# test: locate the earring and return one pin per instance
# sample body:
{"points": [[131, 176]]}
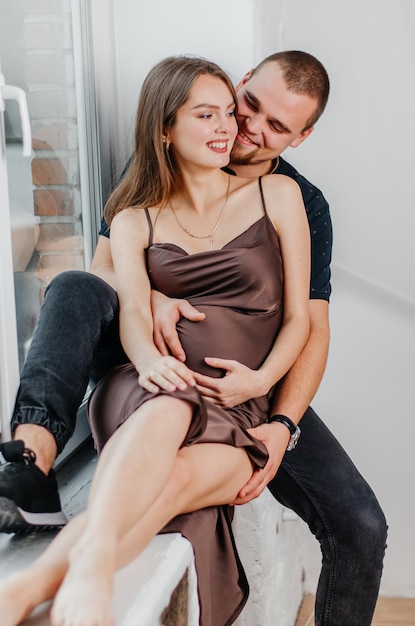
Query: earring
{"points": [[166, 143]]}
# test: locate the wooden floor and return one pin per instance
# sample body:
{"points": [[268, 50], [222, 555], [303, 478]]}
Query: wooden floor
{"points": [[389, 612]]}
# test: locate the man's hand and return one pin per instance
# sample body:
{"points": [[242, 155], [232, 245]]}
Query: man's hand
{"points": [[239, 384], [166, 313], [275, 437]]}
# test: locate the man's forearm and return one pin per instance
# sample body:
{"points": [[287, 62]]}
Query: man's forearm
{"points": [[293, 395], [297, 389], [106, 272], [101, 264]]}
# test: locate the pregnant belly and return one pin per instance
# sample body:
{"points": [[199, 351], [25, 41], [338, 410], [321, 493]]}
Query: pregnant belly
{"points": [[228, 334]]}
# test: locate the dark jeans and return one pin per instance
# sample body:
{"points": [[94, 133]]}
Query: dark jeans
{"points": [[319, 482], [76, 339]]}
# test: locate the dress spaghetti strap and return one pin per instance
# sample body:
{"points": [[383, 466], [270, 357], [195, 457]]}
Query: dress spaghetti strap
{"points": [[150, 227], [262, 195]]}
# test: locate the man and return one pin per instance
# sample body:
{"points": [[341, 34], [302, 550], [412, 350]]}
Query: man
{"points": [[279, 103]]}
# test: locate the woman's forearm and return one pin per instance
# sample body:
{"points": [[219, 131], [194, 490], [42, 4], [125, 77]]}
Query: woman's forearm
{"points": [[290, 341], [136, 334]]}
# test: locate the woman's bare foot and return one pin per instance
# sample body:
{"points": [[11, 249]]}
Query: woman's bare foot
{"points": [[19, 595], [85, 595]]}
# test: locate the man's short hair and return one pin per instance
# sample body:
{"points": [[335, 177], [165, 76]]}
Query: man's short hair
{"points": [[303, 74]]}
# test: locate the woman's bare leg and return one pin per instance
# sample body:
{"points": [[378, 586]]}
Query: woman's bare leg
{"points": [[132, 471], [202, 475], [29, 588]]}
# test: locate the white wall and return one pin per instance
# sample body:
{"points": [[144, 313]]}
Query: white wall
{"points": [[363, 151], [145, 33], [362, 156]]}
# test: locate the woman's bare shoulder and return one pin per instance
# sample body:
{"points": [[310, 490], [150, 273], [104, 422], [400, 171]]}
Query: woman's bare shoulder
{"points": [[283, 199], [128, 215], [130, 219], [130, 225], [280, 183]]}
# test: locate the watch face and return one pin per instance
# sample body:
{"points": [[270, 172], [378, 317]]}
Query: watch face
{"points": [[294, 439]]}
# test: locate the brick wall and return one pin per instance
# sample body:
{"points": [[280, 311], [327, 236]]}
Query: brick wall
{"points": [[49, 69]]}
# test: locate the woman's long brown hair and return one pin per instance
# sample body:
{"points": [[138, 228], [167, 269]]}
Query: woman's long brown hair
{"points": [[152, 175]]}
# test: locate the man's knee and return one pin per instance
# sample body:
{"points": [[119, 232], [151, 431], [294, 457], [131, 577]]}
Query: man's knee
{"points": [[81, 293], [76, 283], [361, 530], [65, 280], [371, 526]]}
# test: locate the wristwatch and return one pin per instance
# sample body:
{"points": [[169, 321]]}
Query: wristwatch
{"points": [[293, 428]]}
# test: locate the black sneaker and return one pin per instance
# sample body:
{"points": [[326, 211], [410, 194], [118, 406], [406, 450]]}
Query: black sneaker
{"points": [[29, 500]]}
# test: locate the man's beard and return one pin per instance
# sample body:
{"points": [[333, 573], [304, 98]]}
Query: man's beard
{"points": [[238, 157]]}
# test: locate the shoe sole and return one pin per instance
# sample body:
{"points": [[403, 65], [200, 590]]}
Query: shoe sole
{"points": [[15, 520]]}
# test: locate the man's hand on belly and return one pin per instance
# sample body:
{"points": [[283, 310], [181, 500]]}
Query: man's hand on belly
{"points": [[239, 384], [166, 313]]}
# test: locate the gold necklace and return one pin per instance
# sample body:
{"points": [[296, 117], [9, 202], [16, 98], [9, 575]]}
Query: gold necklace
{"points": [[216, 226]]}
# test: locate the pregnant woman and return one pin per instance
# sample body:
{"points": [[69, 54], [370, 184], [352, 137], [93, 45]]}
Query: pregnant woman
{"points": [[171, 459]]}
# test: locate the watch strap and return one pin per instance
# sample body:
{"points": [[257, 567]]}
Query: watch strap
{"points": [[283, 419], [295, 431]]}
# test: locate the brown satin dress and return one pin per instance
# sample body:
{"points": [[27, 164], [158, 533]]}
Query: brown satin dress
{"points": [[240, 289]]}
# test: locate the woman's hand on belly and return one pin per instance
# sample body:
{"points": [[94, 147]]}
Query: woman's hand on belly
{"points": [[166, 372], [239, 384]]}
